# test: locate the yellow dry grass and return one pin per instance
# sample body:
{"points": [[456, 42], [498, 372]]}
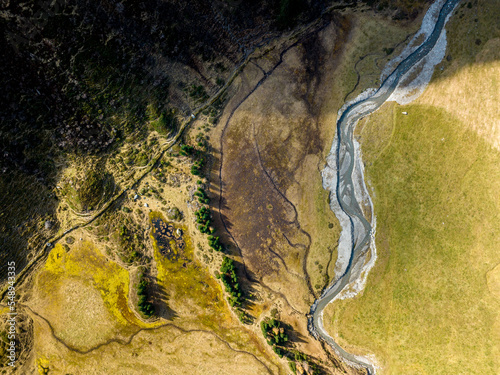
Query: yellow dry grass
{"points": [[468, 87], [82, 289], [164, 351], [192, 291], [196, 298], [471, 95], [84, 297]]}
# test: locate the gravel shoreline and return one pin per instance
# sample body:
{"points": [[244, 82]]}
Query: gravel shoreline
{"points": [[352, 267]]}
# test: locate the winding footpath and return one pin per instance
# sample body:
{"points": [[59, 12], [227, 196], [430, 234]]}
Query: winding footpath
{"points": [[260, 50], [348, 192]]}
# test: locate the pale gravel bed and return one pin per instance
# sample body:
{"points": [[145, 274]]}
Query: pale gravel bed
{"points": [[404, 94]]}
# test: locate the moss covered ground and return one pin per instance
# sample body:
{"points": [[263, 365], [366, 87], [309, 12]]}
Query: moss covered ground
{"points": [[189, 285]]}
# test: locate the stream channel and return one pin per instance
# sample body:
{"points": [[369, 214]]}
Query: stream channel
{"points": [[347, 196]]}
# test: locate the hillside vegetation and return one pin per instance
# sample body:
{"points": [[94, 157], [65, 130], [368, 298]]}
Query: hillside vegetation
{"points": [[136, 187]]}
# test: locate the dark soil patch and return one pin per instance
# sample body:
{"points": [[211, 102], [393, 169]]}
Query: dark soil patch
{"points": [[264, 144], [169, 243]]}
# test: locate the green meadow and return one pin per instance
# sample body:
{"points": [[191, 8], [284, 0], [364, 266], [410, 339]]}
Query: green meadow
{"points": [[432, 301]]}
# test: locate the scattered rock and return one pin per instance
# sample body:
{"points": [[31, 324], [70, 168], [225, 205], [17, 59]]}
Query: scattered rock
{"points": [[174, 214]]}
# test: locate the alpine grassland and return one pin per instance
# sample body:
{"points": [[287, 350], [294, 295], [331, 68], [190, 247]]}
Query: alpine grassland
{"points": [[432, 301], [430, 306]]}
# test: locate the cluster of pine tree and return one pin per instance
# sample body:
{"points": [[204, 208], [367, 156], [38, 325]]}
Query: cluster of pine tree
{"points": [[145, 306], [215, 243], [204, 220], [230, 281], [296, 356], [202, 196], [198, 166], [274, 332], [186, 150]]}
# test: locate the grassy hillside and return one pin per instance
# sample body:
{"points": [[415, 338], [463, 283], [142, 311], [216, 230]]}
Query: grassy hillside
{"points": [[432, 301], [86, 122], [427, 308], [81, 79]]}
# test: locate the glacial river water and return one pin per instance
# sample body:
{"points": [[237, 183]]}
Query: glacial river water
{"points": [[360, 229]]}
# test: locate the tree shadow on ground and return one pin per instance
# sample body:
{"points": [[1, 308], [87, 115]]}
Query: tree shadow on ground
{"points": [[160, 297]]}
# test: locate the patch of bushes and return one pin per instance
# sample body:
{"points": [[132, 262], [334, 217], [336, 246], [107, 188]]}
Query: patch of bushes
{"points": [[198, 155], [93, 188], [299, 356], [289, 11], [244, 317], [215, 243], [302, 357], [198, 166], [198, 93], [174, 214], [128, 255], [166, 123], [215, 110], [274, 332], [186, 150], [388, 51]]}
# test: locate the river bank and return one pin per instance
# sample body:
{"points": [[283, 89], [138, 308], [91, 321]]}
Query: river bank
{"points": [[350, 195]]}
